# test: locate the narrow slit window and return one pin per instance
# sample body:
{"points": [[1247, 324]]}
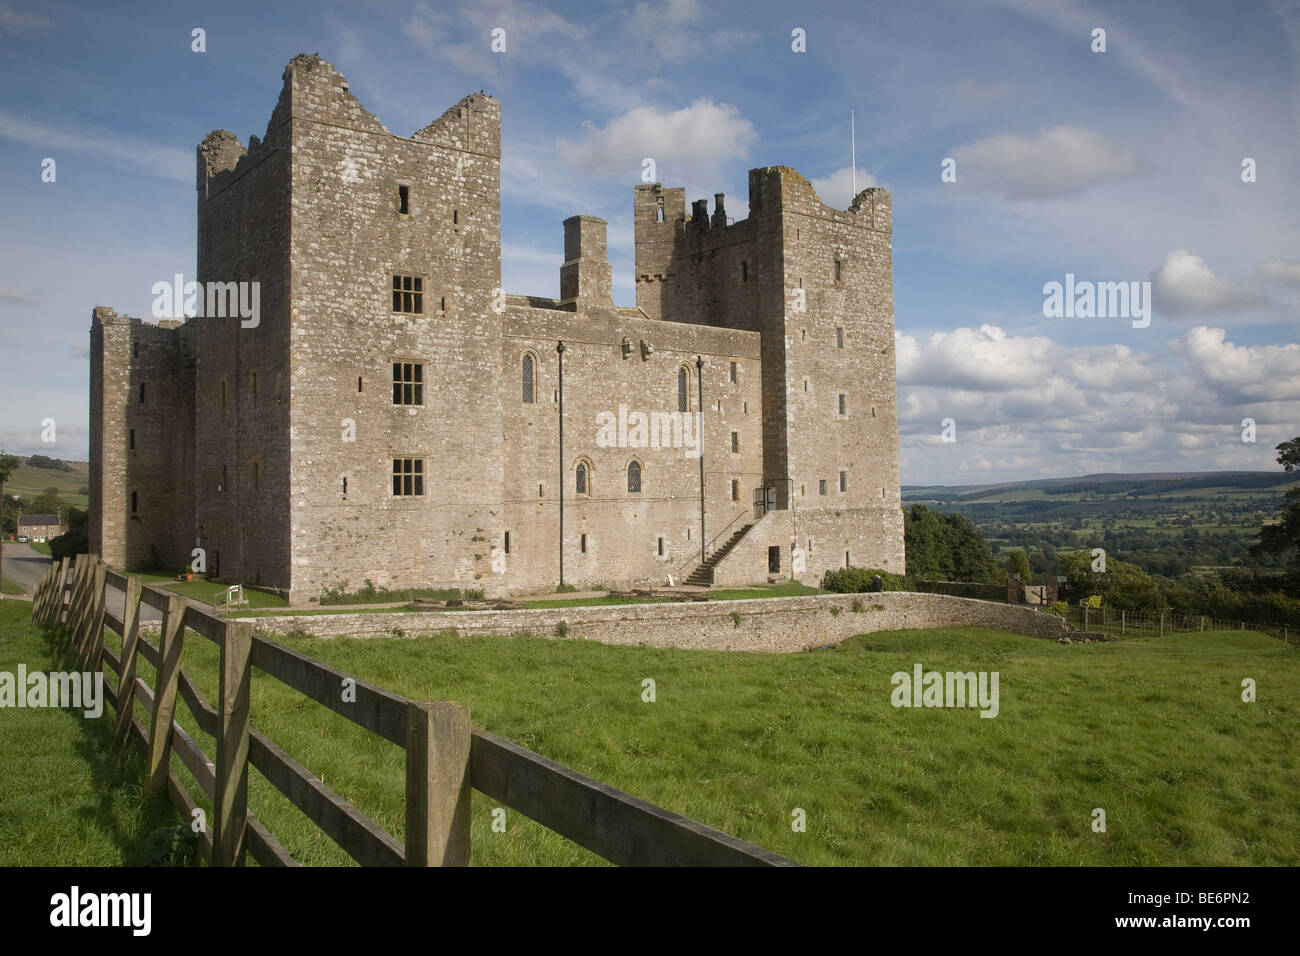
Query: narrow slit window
{"points": [[345, 486], [581, 484], [838, 270], [735, 489], [683, 392], [131, 438], [733, 372], [404, 199], [661, 546], [507, 542], [135, 502], [735, 443], [844, 481], [142, 393], [843, 406], [528, 380], [839, 338], [634, 478], [583, 544]]}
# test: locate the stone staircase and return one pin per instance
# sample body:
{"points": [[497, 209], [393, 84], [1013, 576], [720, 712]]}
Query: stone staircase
{"points": [[702, 576]]}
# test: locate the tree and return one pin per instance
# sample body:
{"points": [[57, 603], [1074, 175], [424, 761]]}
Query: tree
{"points": [[946, 547], [1122, 586], [1017, 563], [1280, 540]]}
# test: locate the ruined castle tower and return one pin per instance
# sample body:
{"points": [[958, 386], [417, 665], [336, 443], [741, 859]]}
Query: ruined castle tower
{"points": [[392, 415]]}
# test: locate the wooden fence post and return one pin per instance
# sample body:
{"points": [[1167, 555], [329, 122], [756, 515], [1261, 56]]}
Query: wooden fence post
{"points": [[230, 829], [1162, 624], [170, 642], [74, 600], [93, 643], [437, 784], [86, 603], [54, 609], [126, 677]]}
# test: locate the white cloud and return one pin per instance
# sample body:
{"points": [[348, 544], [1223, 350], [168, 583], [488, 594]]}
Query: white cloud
{"points": [[689, 143], [17, 22], [1185, 285], [1280, 271], [165, 162], [14, 296], [665, 26], [836, 190], [1027, 406], [1056, 163]]}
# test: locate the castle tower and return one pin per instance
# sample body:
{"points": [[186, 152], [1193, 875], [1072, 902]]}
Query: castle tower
{"points": [[586, 277]]}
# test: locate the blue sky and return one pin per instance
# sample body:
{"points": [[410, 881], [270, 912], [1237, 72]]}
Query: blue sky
{"points": [[1123, 165]]}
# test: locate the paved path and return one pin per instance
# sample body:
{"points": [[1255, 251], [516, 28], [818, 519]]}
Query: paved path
{"points": [[24, 566]]}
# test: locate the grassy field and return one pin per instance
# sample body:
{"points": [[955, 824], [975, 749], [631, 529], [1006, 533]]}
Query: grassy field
{"points": [[64, 799], [207, 591], [41, 547], [9, 587], [30, 482], [1152, 731]]}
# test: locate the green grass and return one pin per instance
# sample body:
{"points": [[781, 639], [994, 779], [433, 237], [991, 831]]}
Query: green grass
{"points": [[31, 482], [208, 591], [42, 547], [9, 587], [1153, 731], [785, 589], [64, 799]]}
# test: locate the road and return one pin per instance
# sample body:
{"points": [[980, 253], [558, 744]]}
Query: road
{"points": [[23, 566]]}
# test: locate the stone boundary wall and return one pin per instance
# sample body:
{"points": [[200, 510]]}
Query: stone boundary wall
{"points": [[778, 625]]}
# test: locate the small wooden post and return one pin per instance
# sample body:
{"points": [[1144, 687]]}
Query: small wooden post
{"points": [[54, 609], [74, 600], [170, 642], [437, 784], [130, 644], [1123, 621], [230, 828]]}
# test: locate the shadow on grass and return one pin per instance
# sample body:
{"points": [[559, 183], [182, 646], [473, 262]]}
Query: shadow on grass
{"points": [[122, 808]]}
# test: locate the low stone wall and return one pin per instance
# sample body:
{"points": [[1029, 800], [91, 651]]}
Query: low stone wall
{"points": [[766, 624]]}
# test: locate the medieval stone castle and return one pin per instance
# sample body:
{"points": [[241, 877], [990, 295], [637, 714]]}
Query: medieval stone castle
{"points": [[392, 415]]}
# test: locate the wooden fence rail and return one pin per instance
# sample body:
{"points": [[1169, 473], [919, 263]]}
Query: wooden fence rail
{"points": [[445, 756], [1123, 623]]}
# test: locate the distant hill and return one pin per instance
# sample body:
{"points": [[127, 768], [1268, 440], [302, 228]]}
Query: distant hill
{"points": [[1191, 484], [30, 481]]}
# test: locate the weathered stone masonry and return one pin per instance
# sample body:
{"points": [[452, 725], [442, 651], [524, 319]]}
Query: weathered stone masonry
{"points": [[272, 447]]}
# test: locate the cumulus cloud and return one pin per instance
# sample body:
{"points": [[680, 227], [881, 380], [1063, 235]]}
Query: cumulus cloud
{"points": [[463, 39], [695, 141], [1185, 285], [1056, 163], [664, 25], [837, 189], [1026, 406]]}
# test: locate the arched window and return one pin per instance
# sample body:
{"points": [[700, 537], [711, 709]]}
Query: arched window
{"points": [[528, 379], [683, 391], [634, 477], [580, 485]]}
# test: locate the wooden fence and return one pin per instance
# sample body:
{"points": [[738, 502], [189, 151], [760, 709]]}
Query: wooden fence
{"points": [[1118, 623], [445, 755]]}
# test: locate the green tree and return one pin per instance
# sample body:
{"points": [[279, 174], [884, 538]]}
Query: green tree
{"points": [[1122, 586], [1280, 540], [1017, 563]]}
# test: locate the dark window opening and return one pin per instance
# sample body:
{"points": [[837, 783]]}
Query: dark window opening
{"points": [[507, 542], [455, 217], [345, 486], [408, 476], [661, 546], [843, 407], [358, 383], [131, 438], [583, 544], [581, 485], [844, 481], [408, 294], [837, 270], [735, 489], [744, 272], [135, 349], [528, 379], [774, 559], [135, 502], [733, 371], [634, 478], [142, 393], [839, 338], [683, 392], [403, 199], [821, 486], [408, 383]]}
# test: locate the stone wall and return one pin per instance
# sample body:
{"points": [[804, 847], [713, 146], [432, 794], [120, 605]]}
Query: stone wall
{"points": [[767, 624]]}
